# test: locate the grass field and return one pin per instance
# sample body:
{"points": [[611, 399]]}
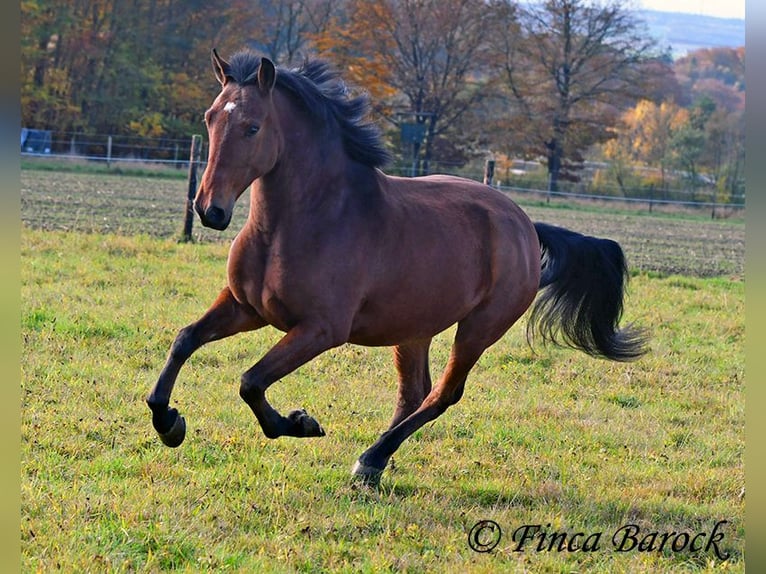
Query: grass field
{"points": [[548, 437]]}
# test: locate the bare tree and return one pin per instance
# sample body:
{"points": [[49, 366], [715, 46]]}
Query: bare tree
{"points": [[569, 66], [430, 54], [292, 23], [283, 30]]}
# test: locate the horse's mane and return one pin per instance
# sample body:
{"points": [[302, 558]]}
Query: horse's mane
{"points": [[323, 94]]}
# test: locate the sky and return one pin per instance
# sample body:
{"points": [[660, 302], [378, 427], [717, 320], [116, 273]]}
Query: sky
{"points": [[719, 8]]}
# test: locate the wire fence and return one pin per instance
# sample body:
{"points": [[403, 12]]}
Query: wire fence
{"points": [[105, 148], [527, 183]]}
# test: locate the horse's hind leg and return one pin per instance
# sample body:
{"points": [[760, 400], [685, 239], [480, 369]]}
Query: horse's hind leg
{"points": [[411, 361], [480, 329], [224, 318], [448, 391]]}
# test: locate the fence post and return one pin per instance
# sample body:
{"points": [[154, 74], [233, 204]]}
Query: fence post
{"points": [[109, 152], [194, 155], [489, 171]]}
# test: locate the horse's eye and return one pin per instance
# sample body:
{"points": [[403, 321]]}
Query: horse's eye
{"points": [[252, 130]]}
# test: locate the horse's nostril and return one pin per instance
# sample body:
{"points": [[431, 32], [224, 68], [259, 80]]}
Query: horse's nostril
{"points": [[214, 217], [215, 214]]}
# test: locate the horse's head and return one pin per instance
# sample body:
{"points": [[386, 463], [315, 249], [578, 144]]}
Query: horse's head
{"points": [[244, 138]]}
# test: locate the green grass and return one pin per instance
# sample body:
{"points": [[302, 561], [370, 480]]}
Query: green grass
{"points": [[548, 436]]}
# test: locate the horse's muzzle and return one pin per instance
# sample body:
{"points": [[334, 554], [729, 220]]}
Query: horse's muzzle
{"points": [[213, 217]]}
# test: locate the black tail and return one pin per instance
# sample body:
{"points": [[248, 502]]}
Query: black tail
{"points": [[583, 283]]}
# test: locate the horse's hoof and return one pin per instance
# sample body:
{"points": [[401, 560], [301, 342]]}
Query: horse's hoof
{"points": [[175, 436], [367, 475], [305, 425]]}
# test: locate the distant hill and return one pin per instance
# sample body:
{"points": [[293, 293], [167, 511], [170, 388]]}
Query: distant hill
{"points": [[685, 33]]}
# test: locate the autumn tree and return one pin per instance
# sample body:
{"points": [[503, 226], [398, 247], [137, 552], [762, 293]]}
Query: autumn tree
{"points": [[724, 153], [645, 136], [718, 73], [714, 84], [115, 67], [46, 86], [653, 128], [573, 65], [426, 57]]}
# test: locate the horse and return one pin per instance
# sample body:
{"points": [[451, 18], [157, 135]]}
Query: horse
{"points": [[335, 251]]}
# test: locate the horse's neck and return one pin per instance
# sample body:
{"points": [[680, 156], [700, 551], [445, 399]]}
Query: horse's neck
{"points": [[300, 189]]}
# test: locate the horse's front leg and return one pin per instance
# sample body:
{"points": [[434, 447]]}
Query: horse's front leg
{"points": [[224, 318], [299, 345]]}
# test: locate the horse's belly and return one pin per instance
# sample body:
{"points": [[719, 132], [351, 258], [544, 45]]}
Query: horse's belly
{"points": [[411, 314]]}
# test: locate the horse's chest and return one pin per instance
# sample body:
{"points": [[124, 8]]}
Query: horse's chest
{"points": [[259, 278]]}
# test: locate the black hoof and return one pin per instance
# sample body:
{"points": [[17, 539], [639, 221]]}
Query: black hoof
{"points": [[175, 436], [304, 425], [367, 475]]}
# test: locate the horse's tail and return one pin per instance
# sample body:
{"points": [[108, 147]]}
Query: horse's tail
{"points": [[583, 283]]}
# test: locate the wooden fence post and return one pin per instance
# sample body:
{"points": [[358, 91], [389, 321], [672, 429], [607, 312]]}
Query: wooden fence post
{"points": [[489, 171], [194, 155]]}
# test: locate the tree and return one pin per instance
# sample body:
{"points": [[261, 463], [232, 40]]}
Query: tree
{"points": [[116, 67], [717, 72], [282, 30], [714, 84], [574, 65], [645, 136], [688, 145], [652, 130], [428, 57], [46, 86]]}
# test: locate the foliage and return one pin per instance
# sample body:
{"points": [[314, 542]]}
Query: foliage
{"points": [[703, 141], [646, 138], [717, 72], [550, 81], [103, 65]]}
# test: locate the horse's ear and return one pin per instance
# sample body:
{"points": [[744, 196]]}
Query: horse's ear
{"points": [[267, 75], [220, 67]]}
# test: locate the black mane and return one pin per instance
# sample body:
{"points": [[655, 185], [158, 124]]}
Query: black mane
{"points": [[321, 91]]}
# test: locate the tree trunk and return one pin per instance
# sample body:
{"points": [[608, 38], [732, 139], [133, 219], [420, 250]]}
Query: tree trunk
{"points": [[429, 147], [555, 153]]}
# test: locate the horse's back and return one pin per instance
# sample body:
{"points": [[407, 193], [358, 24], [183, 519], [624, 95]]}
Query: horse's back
{"points": [[466, 210], [503, 236], [456, 197]]}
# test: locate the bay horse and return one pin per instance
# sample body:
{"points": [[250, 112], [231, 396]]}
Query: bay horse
{"points": [[334, 251]]}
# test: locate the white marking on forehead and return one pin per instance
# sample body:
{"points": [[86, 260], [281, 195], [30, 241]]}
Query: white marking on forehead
{"points": [[229, 107]]}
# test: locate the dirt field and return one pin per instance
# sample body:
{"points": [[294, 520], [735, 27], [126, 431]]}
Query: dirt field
{"points": [[664, 244]]}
